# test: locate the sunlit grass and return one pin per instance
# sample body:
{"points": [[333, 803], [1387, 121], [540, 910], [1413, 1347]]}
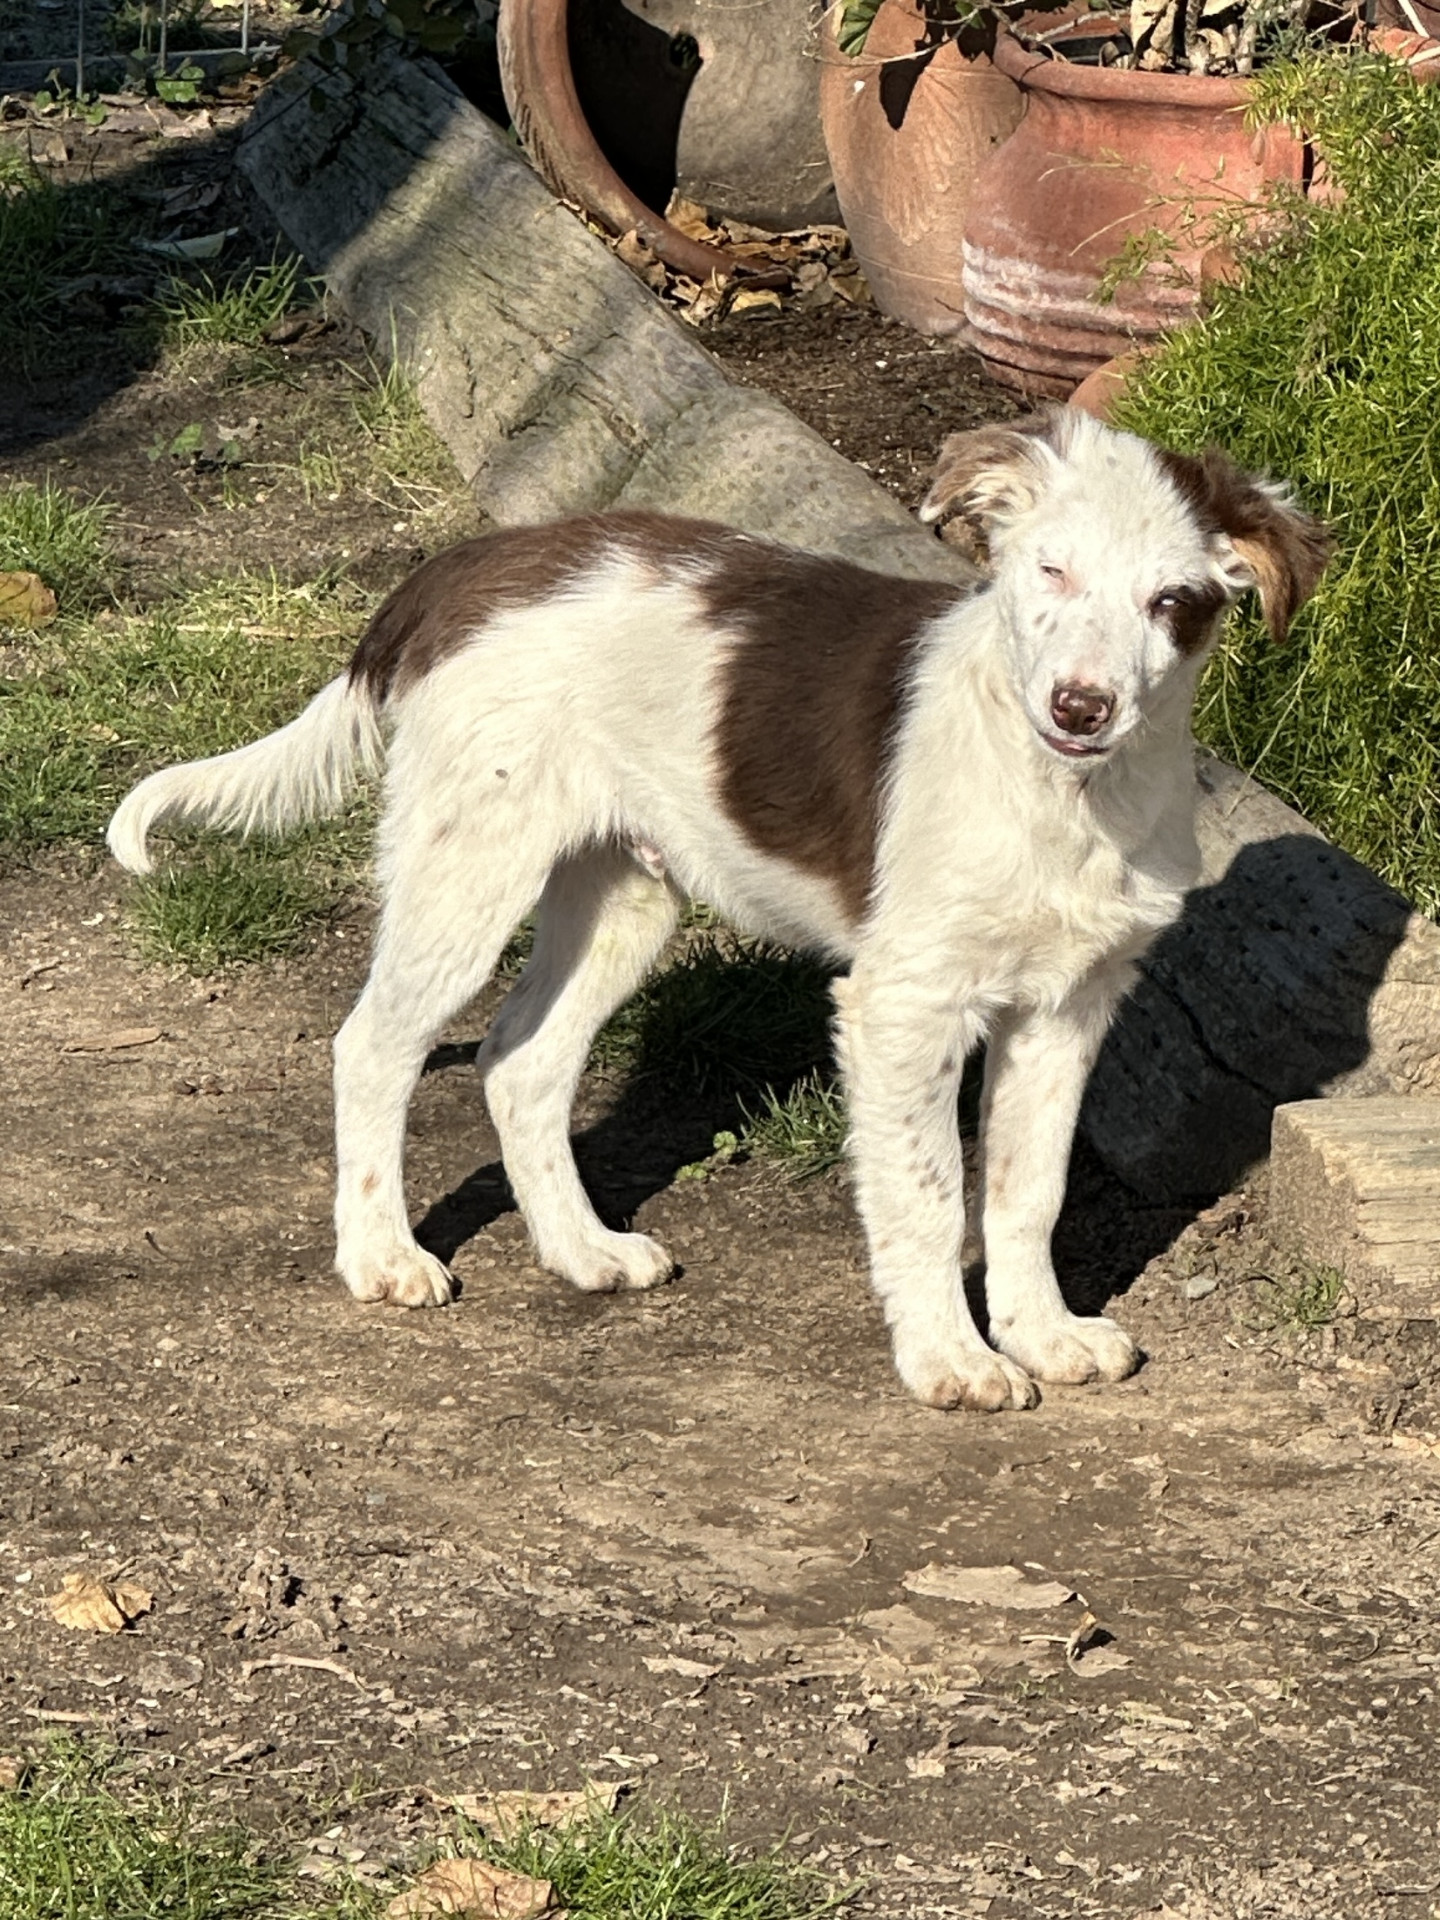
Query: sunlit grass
{"points": [[657, 1867], [45, 530], [88, 706], [102, 696], [802, 1131], [88, 1836], [236, 311], [84, 1837]]}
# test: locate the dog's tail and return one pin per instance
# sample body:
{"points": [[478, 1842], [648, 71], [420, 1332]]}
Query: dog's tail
{"points": [[303, 772]]}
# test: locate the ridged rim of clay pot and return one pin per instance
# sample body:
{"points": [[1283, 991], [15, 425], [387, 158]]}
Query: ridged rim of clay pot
{"points": [[1072, 81], [539, 89]]}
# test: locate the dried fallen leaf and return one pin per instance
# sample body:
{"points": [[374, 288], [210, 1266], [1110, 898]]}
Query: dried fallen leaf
{"points": [[756, 300], [986, 1587], [641, 259], [472, 1887], [112, 1042], [25, 601], [204, 246], [91, 1607], [852, 286], [503, 1814], [677, 1663], [1090, 1649], [691, 219]]}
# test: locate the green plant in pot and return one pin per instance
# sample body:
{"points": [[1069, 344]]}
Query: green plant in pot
{"points": [[1320, 360], [1119, 123]]}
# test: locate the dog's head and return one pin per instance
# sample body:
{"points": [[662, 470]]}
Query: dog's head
{"points": [[1113, 561]]}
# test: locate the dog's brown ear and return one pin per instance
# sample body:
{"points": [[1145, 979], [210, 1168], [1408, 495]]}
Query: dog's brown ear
{"points": [[989, 473], [1280, 546]]}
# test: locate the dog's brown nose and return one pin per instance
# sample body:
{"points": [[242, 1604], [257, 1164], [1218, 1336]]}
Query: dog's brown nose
{"points": [[1082, 710]]}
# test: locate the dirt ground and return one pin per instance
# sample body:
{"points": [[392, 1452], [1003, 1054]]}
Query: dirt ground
{"points": [[697, 1540]]}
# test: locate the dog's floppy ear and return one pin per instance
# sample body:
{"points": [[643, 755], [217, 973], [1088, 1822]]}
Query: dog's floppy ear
{"points": [[990, 473], [1282, 550]]}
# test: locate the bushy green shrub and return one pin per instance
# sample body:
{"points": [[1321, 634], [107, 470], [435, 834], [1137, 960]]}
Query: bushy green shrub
{"points": [[1322, 366]]}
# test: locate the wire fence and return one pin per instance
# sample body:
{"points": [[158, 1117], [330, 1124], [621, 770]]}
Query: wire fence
{"points": [[81, 44]]}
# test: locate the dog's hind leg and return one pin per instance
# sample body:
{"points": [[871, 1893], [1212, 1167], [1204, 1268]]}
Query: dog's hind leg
{"points": [[601, 923], [1036, 1066], [440, 935]]}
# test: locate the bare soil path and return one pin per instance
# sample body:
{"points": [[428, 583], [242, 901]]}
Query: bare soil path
{"points": [[678, 1539]]}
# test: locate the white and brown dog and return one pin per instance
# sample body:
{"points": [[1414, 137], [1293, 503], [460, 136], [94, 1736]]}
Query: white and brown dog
{"points": [[980, 802]]}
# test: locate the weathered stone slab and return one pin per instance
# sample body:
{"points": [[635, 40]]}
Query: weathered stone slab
{"points": [[1355, 1184]]}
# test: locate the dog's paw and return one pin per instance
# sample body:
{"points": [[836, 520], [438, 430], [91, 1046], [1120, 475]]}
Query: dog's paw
{"points": [[614, 1263], [955, 1376], [408, 1277], [1069, 1351]]}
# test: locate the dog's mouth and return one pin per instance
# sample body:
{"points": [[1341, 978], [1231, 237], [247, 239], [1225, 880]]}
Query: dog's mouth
{"points": [[1072, 748]]}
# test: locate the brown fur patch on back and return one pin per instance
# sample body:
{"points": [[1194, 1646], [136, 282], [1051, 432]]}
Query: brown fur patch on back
{"points": [[1283, 546], [444, 603], [813, 692]]}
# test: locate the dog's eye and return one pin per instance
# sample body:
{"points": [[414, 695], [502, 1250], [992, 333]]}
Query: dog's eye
{"points": [[1056, 574], [1169, 602]]}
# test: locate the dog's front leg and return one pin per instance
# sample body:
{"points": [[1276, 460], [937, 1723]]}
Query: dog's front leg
{"points": [[902, 1060], [1036, 1066]]}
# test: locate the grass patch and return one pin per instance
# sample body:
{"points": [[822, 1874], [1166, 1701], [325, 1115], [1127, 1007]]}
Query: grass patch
{"points": [[801, 1132], [231, 905], [234, 312], [82, 1839], [89, 704], [87, 707], [50, 237], [85, 1837], [396, 459], [44, 530], [615, 1867], [729, 1015], [1323, 365], [739, 1020], [1298, 1304], [405, 451]]}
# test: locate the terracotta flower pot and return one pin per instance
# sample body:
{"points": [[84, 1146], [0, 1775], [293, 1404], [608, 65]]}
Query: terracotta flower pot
{"points": [[908, 125], [1422, 13], [1420, 52], [1101, 154]]}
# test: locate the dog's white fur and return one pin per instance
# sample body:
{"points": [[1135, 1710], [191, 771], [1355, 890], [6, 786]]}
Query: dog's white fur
{"points": [[573, 738]]}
